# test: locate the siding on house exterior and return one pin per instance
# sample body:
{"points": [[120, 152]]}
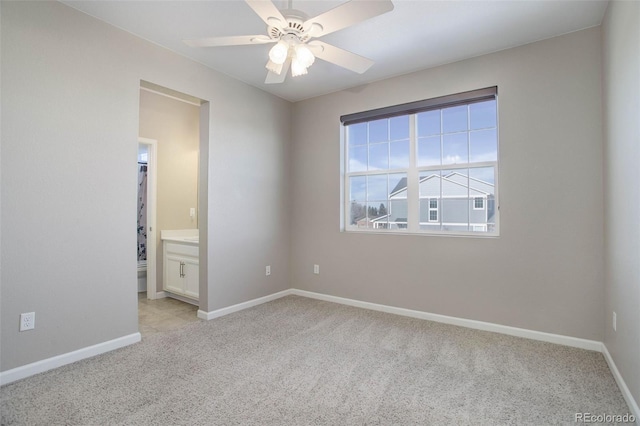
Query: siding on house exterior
{"points": [[455, 194], [454, 210]]}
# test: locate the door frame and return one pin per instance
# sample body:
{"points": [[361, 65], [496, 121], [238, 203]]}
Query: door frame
{"points": [[152, 197]]}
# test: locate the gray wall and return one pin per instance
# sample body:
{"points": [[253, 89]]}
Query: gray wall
{"points": [[69, 113], [70, 104], [545, 271], [621, 64]]}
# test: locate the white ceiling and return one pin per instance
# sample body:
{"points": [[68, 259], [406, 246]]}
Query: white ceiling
{"points": [[417, 34]]}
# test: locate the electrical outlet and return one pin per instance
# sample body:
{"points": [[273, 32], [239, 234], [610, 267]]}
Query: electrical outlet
{"points": [[316, 269], [615, 326], [27, 321], [267, 270]]}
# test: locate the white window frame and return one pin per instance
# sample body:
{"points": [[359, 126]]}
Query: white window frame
{"points": [[413, 225]]}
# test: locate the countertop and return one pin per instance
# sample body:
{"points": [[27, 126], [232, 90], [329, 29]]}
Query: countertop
{"points": [[183, 236]]}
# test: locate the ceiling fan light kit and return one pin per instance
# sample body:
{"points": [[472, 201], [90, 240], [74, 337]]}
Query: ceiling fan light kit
{"points": [[300, 55], [292, 30], [278, 53], [297, 68], [304, 55]]}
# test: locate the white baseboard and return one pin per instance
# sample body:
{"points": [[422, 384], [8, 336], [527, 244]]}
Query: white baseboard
{"points": [[575, 342], [244, 305], [631, 402], [478, 325], [64, 359], [60, 360]]}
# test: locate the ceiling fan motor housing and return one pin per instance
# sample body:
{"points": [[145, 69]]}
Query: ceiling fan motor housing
{"points": [[293, 27]]}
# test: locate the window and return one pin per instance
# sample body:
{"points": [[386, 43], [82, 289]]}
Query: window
{"points": [[478, 203], [433, 210], [425, 167]]}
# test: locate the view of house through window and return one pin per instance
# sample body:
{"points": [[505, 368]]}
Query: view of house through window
{"points": [[433, 170]]}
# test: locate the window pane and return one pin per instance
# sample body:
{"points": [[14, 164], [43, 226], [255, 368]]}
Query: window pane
{"points": [[377, 214], [482, 185], [429, 123], [357, 134], [491, 214], [398, 186], [379, 131], [454, 119], [477, 212], [358, 214], [484, 146], [429, 191], [429, 185], [455, 200], [455, 149], [483, 175], [483, 115], [398, 214], [358, 158], [400, 128], [455, 183], [379, 156], [429, 151], [377, 187], [399, 158], [357, 196], [398, 206], [358, 188], [429, 217]]}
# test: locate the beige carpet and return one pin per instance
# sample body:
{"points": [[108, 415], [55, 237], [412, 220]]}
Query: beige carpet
{"points": [[298, 361]]}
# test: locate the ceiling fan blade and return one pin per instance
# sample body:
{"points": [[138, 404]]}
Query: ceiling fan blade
{"points": [[229, 41], [345, 15], [340, 57], [268, 12], [273, 78]]}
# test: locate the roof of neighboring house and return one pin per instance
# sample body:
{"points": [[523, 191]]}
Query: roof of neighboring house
{"points": [[400, 186], [456, 178]]}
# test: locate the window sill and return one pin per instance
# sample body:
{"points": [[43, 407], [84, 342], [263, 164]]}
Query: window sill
{"points": [[423, 234]]}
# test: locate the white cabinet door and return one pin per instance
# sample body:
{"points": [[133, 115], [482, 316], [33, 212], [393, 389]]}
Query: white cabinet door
{"points": [[173, 280], [191, 272], [181, 269]]}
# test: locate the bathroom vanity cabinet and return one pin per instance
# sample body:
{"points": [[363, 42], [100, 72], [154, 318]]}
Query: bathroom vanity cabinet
{"points": [[181, 266]]}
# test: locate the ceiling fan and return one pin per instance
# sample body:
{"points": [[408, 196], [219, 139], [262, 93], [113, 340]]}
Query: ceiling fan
{"points": [[293, 31]]}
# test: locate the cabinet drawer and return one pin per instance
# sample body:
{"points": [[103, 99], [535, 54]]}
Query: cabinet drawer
{"points": [[183, 249]]}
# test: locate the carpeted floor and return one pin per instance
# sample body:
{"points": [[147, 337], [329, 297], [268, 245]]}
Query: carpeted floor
{"points": [[298, 361]]}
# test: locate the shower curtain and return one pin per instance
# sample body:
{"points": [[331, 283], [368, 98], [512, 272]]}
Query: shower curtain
{"points": [[142, 211]]}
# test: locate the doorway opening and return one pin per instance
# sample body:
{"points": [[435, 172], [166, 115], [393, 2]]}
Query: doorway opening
{"points": [[171, 136], [147, 196]]}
